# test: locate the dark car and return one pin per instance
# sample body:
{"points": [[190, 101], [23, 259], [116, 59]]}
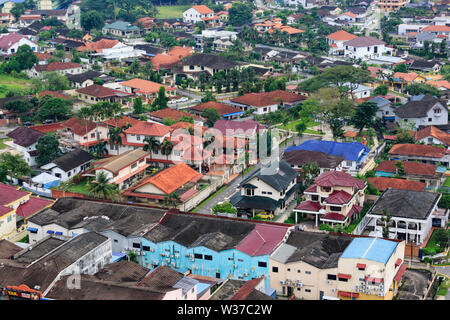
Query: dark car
{"points": [[28, 123], [47, 121]]}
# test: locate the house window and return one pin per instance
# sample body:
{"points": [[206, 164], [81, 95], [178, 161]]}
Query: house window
{"points": [[208, 257], [146, 248], [136, 245], [437, 110], [307, 290], [307, 272], [430, 119], [262, 264], [134, 165], [198, 256], [348, 163], [338, 209], [314, 198], [240, 260], [275, 269], [331, 277]]}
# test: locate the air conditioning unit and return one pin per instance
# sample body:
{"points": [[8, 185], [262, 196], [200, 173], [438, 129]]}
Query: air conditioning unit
{"points": [[328, 282], [163, 254], [281, 282], [167, 260], [172, 256], [234, 266], [173, 264], [177, 255], [191, 259], [152, 250], [333, 290], [187, 255]]}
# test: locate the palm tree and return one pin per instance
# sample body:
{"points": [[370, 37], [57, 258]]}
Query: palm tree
{"points": [[386, 218], [102, 188], [166, 149], [85, 114], [114, 137], [151, 144], [100, 150], [172, 199]]}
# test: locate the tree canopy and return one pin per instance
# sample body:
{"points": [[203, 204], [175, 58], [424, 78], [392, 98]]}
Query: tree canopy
{"points": [[47, 149]]}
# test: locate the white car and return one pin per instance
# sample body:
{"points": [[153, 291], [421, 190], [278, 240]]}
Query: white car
{"points": [[184, 99]]}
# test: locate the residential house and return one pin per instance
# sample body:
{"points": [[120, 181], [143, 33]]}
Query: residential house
{"points": [[370, 269], [26, 19], [336, 41], [211, 246], [425, 66], [241, 129], [171, 58], [390, 5], [122, 170], [41, 265], [79, 132], [68, 165], [226, 111], [24, 140], [358, 91], [355, 153], [364, 48], [422, 110], [56, 66], [431, 135], [179, 179], [121, 29], [43, 58], [298, 158], [265, 102], [270, 189], [11, 42], [432, 175], [305, 265], [85, 79], [96, 93], [122, 223], [206, 63], [173, 115], [213, 35], [413, 214], [12, 198], [144, 88], [417, 152], [197, 13], [335, 198]]}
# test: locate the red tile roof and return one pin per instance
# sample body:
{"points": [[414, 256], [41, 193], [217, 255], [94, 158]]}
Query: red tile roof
{"points": [[437, 28], [54, 94], [400, 273], [338, 178], [309, 206], [263, 239], [125, 120], [98, 46], [57, 65], [8, 40], [432, 131], [51, 127], [411, 168], [264, 99], [334, 216], [417, 150], [78, 125], [148, 129], [339, 197], [43, 56], [246, 289], [32, 206], [382, 183], [172, 57], [202, 9], [10, 194], [171, 113], [145, 86], [222, 108]]}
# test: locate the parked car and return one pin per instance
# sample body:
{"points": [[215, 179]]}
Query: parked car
{"points": [[47, 121], [184, 99], [28, 123], [265, 215]]}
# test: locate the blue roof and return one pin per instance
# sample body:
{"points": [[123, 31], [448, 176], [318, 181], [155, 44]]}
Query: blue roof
{"points": [[374, 249], [380, 101], [117, 256], [349, 150], [15, 1]]}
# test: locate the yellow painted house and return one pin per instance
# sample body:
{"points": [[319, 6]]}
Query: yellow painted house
{"points": [[10, 199]]}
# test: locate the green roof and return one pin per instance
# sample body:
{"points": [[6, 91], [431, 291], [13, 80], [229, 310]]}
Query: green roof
{"points": [[121, 25]]}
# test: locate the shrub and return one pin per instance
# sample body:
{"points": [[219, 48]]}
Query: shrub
{"points": [[224, 207]]}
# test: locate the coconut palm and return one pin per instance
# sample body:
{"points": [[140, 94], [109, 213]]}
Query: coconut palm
{"points": [[115, 138], [100, 150], [102, 188], [85, 114], [166, 149], [172, 199], [151, 144]]}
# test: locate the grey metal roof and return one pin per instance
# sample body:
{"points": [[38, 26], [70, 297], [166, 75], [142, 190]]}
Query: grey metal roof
{"points": [[279, 180], [283, 253]]}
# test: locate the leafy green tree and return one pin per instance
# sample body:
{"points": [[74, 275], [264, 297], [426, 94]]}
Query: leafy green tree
{"points": [[402, 67], [92, 20], [17, 10], [422, 88], [19, 106], [100, 150], [138, 107], [399, 168], [386, 218], [55, 108], [132, 256], [336, 126], [172, 199], [225, 207], [102, 188], [13, 166], [47, 149], [381, 90], [160, 102], [239, 14], [364, 115], [309, 172], [208, 97], [26, 57], [212, 115], [404, 136]]}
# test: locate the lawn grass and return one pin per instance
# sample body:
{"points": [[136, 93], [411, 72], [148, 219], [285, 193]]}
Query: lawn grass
{"points": [[445, 285], [248, 169], [81, 187], [291, 125], [2, 143], [167, 12], [8, 83], [447, 182], [432, 247]]}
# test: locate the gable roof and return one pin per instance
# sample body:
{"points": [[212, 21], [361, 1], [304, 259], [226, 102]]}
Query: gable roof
{"points": [[78, 125], [222, 108], [32, 206], [338, 178], [172, 178], [99, 91], [10, 39], [382, 183], [81, 77], [73, 159], [418, 108], [56, 65], [144, 86], [173, 114], [116, 163], [99, 45], [234, 126], [24, 136], [121, 25], [209, 60], [302, 157], [202, 9], [10, 194], [432, 131], [278, 180], [263, 99]]}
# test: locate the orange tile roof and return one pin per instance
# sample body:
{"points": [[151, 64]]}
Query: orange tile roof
{"points": [[125, 120], [350, 14], [172, 178], [408, 77], [432, 131], [186, 126], [98, 46], [43, 56], [145, 86], [439, 84], [171, 113], [148, 129], [382, 183], [172, 57], [437, 28], [341, 35], [202, 9], [411, 168]]}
